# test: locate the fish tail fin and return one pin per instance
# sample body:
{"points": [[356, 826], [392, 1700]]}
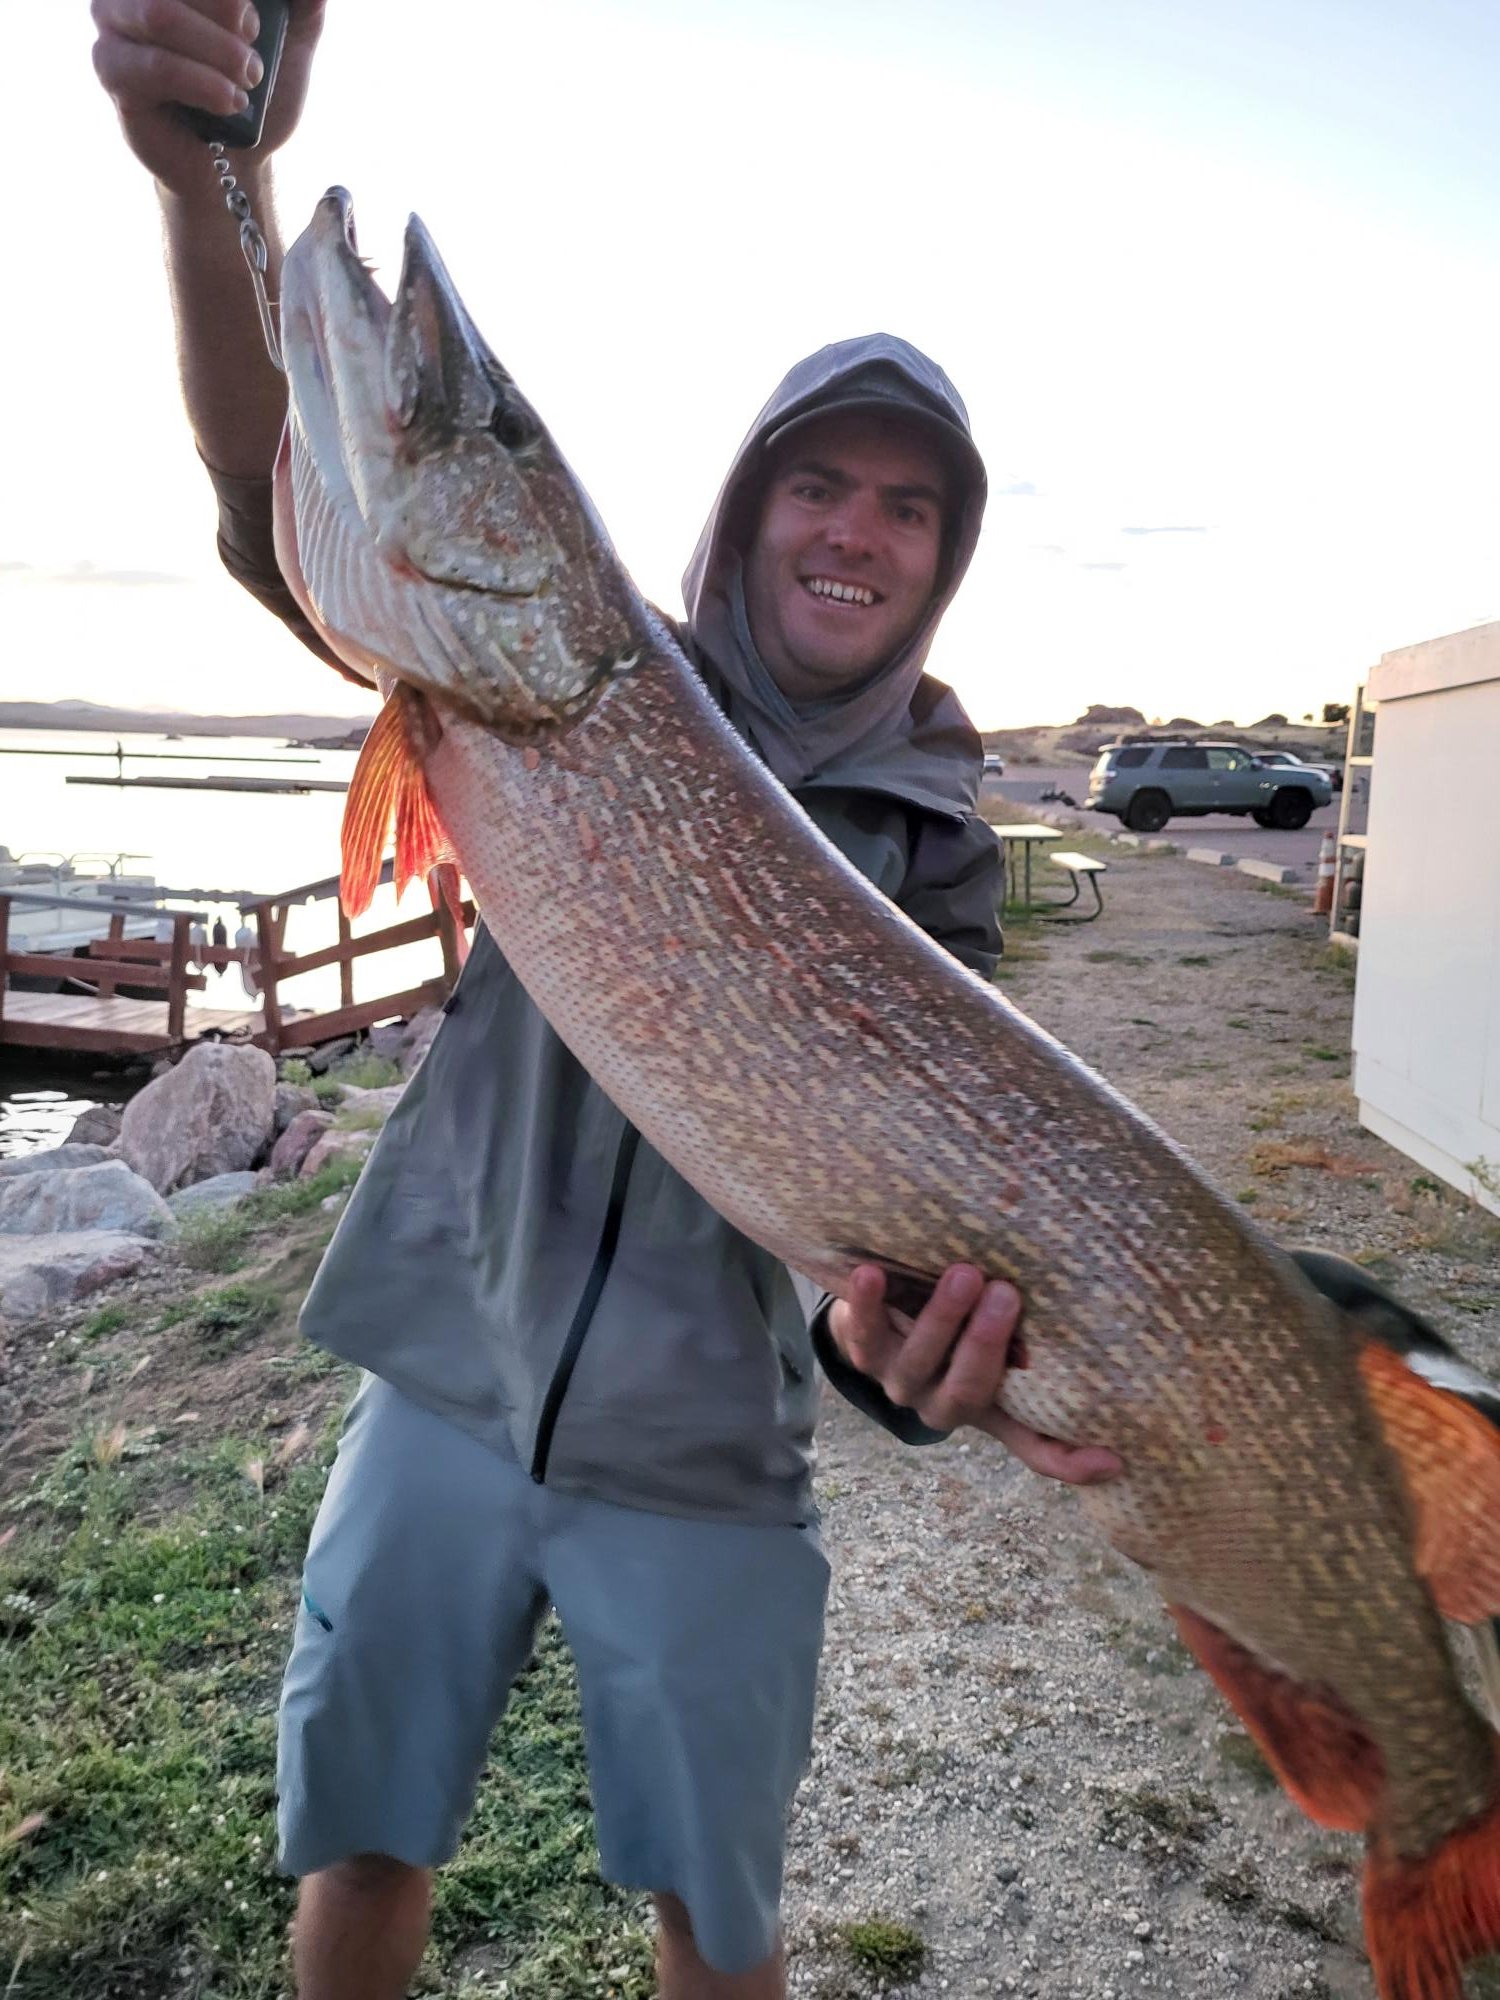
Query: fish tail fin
{"points": [[1427, 1918], [388, 785]]}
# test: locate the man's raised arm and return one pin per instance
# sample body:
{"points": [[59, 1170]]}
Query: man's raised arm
{"points": [[199, 52]]}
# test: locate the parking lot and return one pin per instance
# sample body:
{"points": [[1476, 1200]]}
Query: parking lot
{"points": [[1025, 784]]}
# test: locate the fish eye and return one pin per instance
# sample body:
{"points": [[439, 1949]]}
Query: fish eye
{"points": [[512, 427]]}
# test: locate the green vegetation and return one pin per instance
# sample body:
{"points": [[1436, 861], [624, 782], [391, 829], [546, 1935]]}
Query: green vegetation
{"points": [[108, 1319], [362, 1071], [1239, 1753], [885, 1950], [148, 1580]]}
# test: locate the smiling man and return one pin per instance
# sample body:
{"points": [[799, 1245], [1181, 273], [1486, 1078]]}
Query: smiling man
{"points": [[583, 1388]]}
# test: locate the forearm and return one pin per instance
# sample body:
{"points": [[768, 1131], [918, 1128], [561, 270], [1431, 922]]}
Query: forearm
{"points": [[235, 399]]}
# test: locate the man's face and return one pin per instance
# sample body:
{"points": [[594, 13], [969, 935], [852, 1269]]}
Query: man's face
{"points": [[845, 558]]}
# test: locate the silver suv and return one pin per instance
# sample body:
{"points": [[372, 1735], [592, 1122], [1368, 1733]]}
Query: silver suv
{"points": [[1146, 784]]}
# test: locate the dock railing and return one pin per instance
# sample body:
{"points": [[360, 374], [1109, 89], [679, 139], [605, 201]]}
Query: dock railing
{"points": [[165, 966]]}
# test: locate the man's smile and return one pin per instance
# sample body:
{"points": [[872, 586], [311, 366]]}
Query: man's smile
{"points": [[831, 591]]}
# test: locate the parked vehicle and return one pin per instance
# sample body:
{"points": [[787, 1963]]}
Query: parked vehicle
{"points": [[1288, 760], [1146, 784]]}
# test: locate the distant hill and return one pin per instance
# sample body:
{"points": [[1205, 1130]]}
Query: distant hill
{"points": [[327, 731]]}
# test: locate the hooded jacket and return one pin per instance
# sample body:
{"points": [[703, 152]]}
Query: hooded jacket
{"points": [[515, 1257]]}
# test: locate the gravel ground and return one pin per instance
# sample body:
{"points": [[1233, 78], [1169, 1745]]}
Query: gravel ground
{"points": [[1017, 1763]]}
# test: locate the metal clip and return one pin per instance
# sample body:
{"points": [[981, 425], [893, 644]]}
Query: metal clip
{"points": [[253, 247]]}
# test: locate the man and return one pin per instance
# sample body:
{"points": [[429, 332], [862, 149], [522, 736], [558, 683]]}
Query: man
{"points": [[585, 1389]]}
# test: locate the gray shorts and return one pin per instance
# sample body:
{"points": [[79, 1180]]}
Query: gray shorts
{"points": [[431, 1564]]}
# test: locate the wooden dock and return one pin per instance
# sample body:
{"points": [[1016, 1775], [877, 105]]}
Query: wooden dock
{"points": [[110, 1026], [96, 1018]]}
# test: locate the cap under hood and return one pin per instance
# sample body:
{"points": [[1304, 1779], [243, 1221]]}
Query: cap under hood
{"points": [[879, 735]]}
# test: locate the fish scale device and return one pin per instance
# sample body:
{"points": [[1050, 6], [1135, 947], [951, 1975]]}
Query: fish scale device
{"points": [[241, 130], [843, 1091]]}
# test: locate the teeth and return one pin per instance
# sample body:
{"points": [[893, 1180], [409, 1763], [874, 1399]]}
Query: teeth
{"points": [[842, 593]]}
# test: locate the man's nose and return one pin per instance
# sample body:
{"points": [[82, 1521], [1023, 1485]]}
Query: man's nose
{"points": [[855, 525]]}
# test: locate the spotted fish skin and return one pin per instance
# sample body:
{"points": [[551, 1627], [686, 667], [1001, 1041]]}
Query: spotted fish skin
{"points": [[829, 1079]]}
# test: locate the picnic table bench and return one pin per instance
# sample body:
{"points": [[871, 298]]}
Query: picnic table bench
{"points": [[1080, 868]]}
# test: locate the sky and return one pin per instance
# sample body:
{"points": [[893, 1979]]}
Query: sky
{"points": [[1219, 282]]}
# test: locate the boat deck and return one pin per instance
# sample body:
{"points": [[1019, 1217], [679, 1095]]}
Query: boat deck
{"points": [[112, 1026]]}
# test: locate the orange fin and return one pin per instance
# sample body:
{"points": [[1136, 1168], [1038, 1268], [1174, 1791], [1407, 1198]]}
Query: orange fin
{"points": [[388, 784], [1450, 1459], [1314, 1744], [1426, 1918]]}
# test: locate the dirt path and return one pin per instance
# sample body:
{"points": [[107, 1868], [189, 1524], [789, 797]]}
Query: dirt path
{"points": [[1017, 1762]]}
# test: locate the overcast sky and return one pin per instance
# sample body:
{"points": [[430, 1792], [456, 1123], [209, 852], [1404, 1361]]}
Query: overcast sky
{"points": [[1218, 281]]}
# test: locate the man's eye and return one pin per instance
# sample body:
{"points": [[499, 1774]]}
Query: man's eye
{"points": [[810, 489], [909, 516]]}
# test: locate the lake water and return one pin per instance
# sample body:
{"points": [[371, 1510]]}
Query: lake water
{"points": [[244, 845]]}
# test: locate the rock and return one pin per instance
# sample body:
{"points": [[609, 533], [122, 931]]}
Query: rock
{"points": [[222, 1191], [107, 1196], [291, 1100], [53, 1159], [388, 1039], [296, 1142], [98, 1126], [1097, 712], [420, 1030], [336, 1146], [39, 1272], [320, 1060], [213, 1114]]}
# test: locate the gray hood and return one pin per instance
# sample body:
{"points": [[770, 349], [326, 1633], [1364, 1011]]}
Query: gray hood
{"points": [[898, 732]]}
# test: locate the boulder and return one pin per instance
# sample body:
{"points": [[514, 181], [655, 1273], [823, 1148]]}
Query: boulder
{"points": [[222, 1191], [296, 1142], [214, 1113], [98, 1126], [420, 1030], [321, 1059], [388, 1039], [336, 1146], [52, 1159], [292, 1099], [40, 1272], [108, 1196]]}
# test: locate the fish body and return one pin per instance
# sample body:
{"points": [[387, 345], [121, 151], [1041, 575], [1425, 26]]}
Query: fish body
{"points": [[844, 1091]]}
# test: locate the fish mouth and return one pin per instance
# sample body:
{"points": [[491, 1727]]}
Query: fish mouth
{"points": [[379, 369]]}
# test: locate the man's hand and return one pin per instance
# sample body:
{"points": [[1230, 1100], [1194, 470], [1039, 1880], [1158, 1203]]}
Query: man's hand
{"points": [[949, 1365], [152, 54]]}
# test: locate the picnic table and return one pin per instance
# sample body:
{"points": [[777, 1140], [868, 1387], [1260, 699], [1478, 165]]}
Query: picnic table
{"points": [[1019, 841]]}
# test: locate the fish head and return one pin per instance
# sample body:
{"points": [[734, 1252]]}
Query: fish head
{"points": [[425, 517]]}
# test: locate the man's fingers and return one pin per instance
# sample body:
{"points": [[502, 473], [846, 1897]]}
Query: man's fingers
{"points": [[1075, 1464], [975, 1373], [861, 1324], [155, 52], [923, 1354]]}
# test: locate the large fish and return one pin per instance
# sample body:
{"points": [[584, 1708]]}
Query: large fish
{"points": [[844, 1091]]}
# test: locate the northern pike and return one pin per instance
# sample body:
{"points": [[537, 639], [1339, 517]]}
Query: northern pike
{"points": [[843, 1091]]}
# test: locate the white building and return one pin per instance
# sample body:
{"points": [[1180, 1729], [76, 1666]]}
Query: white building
{"points": [[1427, 1003]]}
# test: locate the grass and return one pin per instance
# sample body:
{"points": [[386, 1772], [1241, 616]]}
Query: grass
{"points": [[220, 1239], [148, 1581], [885, 1950], [108, 1320]]}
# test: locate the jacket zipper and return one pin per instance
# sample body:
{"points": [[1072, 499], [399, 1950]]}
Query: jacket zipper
{"points": [[604, 1256]]}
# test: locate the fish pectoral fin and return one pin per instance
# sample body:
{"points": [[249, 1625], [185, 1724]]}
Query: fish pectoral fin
{"points": [[388, 785], [1318, 1748], [1450, 1463]]}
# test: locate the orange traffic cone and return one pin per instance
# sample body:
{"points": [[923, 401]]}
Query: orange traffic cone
{"points": [[1323, 900]]}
